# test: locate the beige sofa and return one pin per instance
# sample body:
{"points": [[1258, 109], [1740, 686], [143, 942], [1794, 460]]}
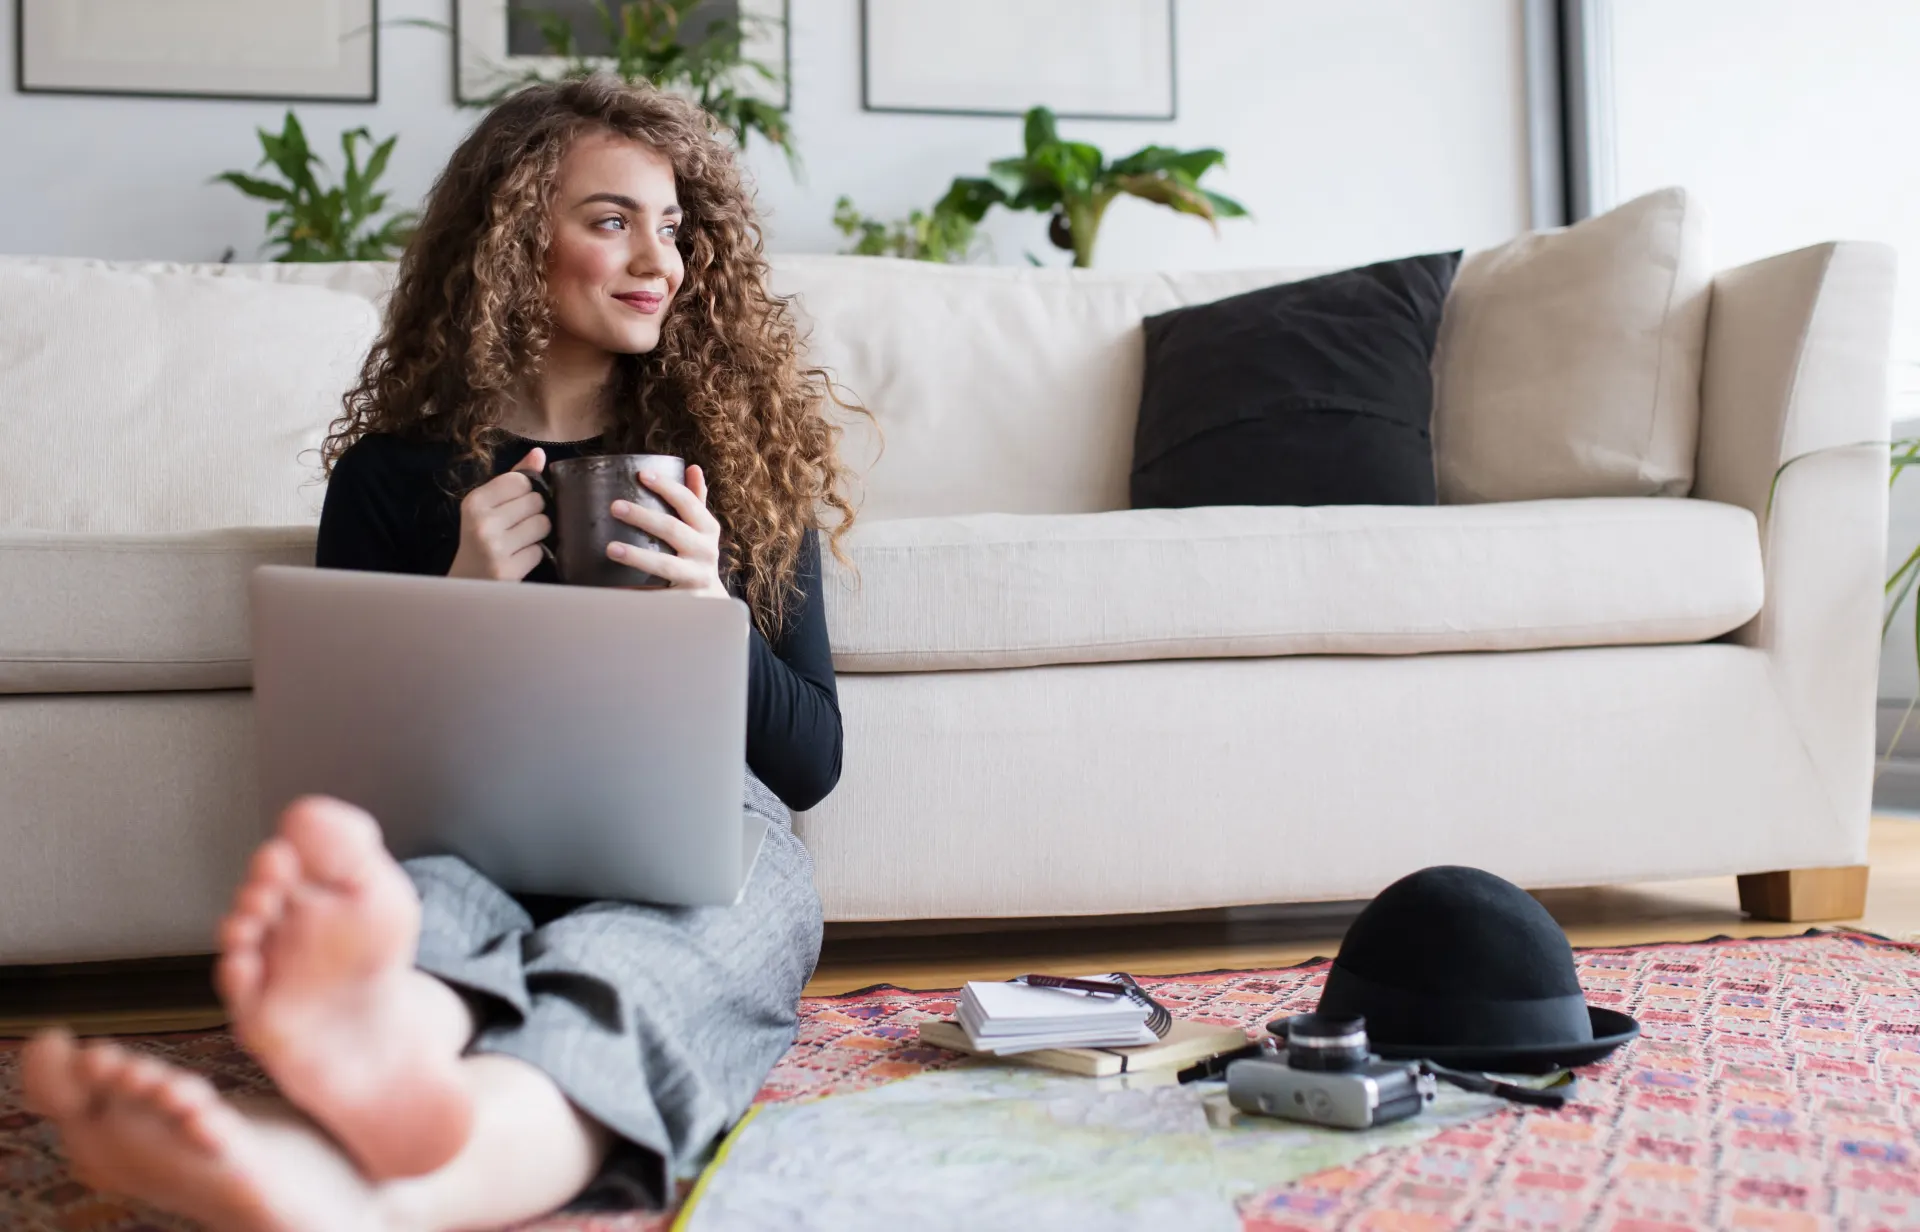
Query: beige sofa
{"points": [[1604, 659]]}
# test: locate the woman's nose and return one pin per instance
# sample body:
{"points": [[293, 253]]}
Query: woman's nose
{"points": [[651, 256]]}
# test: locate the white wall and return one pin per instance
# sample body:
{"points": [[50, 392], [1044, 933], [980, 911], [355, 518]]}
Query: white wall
{"points": [[1796, 123], [1354, 130]]}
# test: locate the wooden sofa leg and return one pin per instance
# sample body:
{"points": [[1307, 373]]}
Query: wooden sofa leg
{"points": [[1797, 894]]}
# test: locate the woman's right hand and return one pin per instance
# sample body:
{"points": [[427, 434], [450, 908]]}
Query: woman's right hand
{"points": [[502, 523]]}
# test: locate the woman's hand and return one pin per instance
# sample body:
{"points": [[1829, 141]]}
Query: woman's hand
{"points": [[502, 523], [695, 535]]}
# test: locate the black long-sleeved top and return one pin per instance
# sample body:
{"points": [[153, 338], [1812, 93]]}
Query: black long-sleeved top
{"points": [[388, 510]]}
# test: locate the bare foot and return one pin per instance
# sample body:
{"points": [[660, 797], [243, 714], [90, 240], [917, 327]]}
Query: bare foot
{"points": [[137, 1126], [316, 969]]}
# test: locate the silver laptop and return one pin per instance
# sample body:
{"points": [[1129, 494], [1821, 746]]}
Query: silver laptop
{"points": [[561, 739]]}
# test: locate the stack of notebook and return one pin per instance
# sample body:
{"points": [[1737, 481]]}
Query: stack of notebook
{"points": [[1005, 1019]]}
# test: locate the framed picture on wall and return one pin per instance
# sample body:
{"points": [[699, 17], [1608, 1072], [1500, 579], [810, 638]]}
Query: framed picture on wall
{"points": [[1086, 59], [499, 41], [279, 50]]}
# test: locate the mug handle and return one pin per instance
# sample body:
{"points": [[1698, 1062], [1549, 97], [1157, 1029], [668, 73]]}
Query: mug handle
{"points": [[545, 490]]}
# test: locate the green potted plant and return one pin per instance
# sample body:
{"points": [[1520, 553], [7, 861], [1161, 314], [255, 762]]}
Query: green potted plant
{"points": [[1074, 182], [1900, 585], [649, 42], [312, 221], [940, 234]]}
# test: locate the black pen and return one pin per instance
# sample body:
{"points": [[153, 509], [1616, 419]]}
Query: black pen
{"points": [[1213, 1067]]}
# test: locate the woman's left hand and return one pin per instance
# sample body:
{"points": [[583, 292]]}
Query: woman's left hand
{"points": [[695, 535]]}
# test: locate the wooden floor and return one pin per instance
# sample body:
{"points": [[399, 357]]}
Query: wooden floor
{"points": [[859, 955], [174, 995]]}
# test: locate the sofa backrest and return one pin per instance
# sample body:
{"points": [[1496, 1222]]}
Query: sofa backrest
{"points": [[993, 389], [996, 389], [153, 400]]}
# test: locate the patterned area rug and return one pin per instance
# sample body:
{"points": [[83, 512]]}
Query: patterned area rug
{"points": [[1776, 1087]]}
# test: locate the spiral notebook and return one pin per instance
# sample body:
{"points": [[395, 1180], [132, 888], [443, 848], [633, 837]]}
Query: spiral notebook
{"points": [[1008, 1018], [1185, 1044]]}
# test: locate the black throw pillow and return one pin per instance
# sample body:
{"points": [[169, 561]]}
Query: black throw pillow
{"points": [[1316, 392]]}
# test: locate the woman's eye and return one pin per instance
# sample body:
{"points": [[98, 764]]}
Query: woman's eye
{"points": [[671, 230], [611, 218]]}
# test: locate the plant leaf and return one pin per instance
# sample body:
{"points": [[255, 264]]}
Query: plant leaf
{"points": [[1191, 163], [1041, 130], [1042, 197], [1898, 730], [1223, 206], [291, 154], [295, 138], [1086, 161], [281, 156], [1167, 191], [266, 190], [1773, 489], [377, 164], [1010, 175], [970, 199], [1068, 167], [354, 183], [1906, 450]]}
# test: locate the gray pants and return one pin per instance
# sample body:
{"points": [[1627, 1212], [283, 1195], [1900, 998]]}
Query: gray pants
{"points": [[658, 1022]]}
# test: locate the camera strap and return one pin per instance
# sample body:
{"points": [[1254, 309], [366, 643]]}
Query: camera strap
{"points": [[1481, 1083]]}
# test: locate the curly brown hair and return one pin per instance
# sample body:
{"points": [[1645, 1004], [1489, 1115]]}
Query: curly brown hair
{"points": [[726, 387]]}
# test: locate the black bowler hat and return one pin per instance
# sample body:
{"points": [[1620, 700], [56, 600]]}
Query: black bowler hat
{"points": [[1458, 966]]}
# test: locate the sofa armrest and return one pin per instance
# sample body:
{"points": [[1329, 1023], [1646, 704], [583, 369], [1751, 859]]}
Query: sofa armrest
{"points": [[1796, 370]]}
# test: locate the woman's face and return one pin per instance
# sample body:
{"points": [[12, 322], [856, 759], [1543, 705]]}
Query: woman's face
{"points": [[613, 267]]}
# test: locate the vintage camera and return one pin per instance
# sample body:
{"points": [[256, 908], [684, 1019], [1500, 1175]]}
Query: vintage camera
{"points": [[1330, 1077]]}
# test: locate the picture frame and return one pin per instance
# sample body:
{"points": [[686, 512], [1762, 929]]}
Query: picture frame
{"points": [[482, 32], [295, 51], [1084, 59]]}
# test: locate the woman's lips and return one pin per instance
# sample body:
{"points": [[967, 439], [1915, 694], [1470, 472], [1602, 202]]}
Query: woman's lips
{"points": [[642, 301]]}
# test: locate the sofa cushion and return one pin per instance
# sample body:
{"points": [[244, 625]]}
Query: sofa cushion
{"points": [[999, 590], [85, 613], [131, 613], [1569, 360], [1316, 392], [113, 613], [145, 403], [1007, 390]]}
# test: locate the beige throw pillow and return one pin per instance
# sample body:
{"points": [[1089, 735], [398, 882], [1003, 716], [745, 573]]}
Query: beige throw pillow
{"points": [[1569, 360]]}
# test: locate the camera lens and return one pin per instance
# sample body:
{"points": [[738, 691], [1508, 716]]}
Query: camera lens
{"points": [[1327, 1041]]}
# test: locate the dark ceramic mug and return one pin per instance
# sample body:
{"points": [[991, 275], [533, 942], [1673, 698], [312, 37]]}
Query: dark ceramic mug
{"points": [[580, 493]]}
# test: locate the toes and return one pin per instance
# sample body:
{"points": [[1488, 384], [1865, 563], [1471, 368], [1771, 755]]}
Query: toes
{"points": [[336, 842], [97, 1070], [262, 899], [194, 1107], [185, 1094], [143, 1078], [274, 869], [101, 1064], [237, 977], [276, 863], [210, 1123], [242, 934], [47, 1072], [257, 907]]}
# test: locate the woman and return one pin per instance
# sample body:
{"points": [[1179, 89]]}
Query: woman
{"points": [[587, 277]]}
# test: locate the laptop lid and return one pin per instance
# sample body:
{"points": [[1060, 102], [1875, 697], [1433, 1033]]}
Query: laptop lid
{"points": [[562, 739]]}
